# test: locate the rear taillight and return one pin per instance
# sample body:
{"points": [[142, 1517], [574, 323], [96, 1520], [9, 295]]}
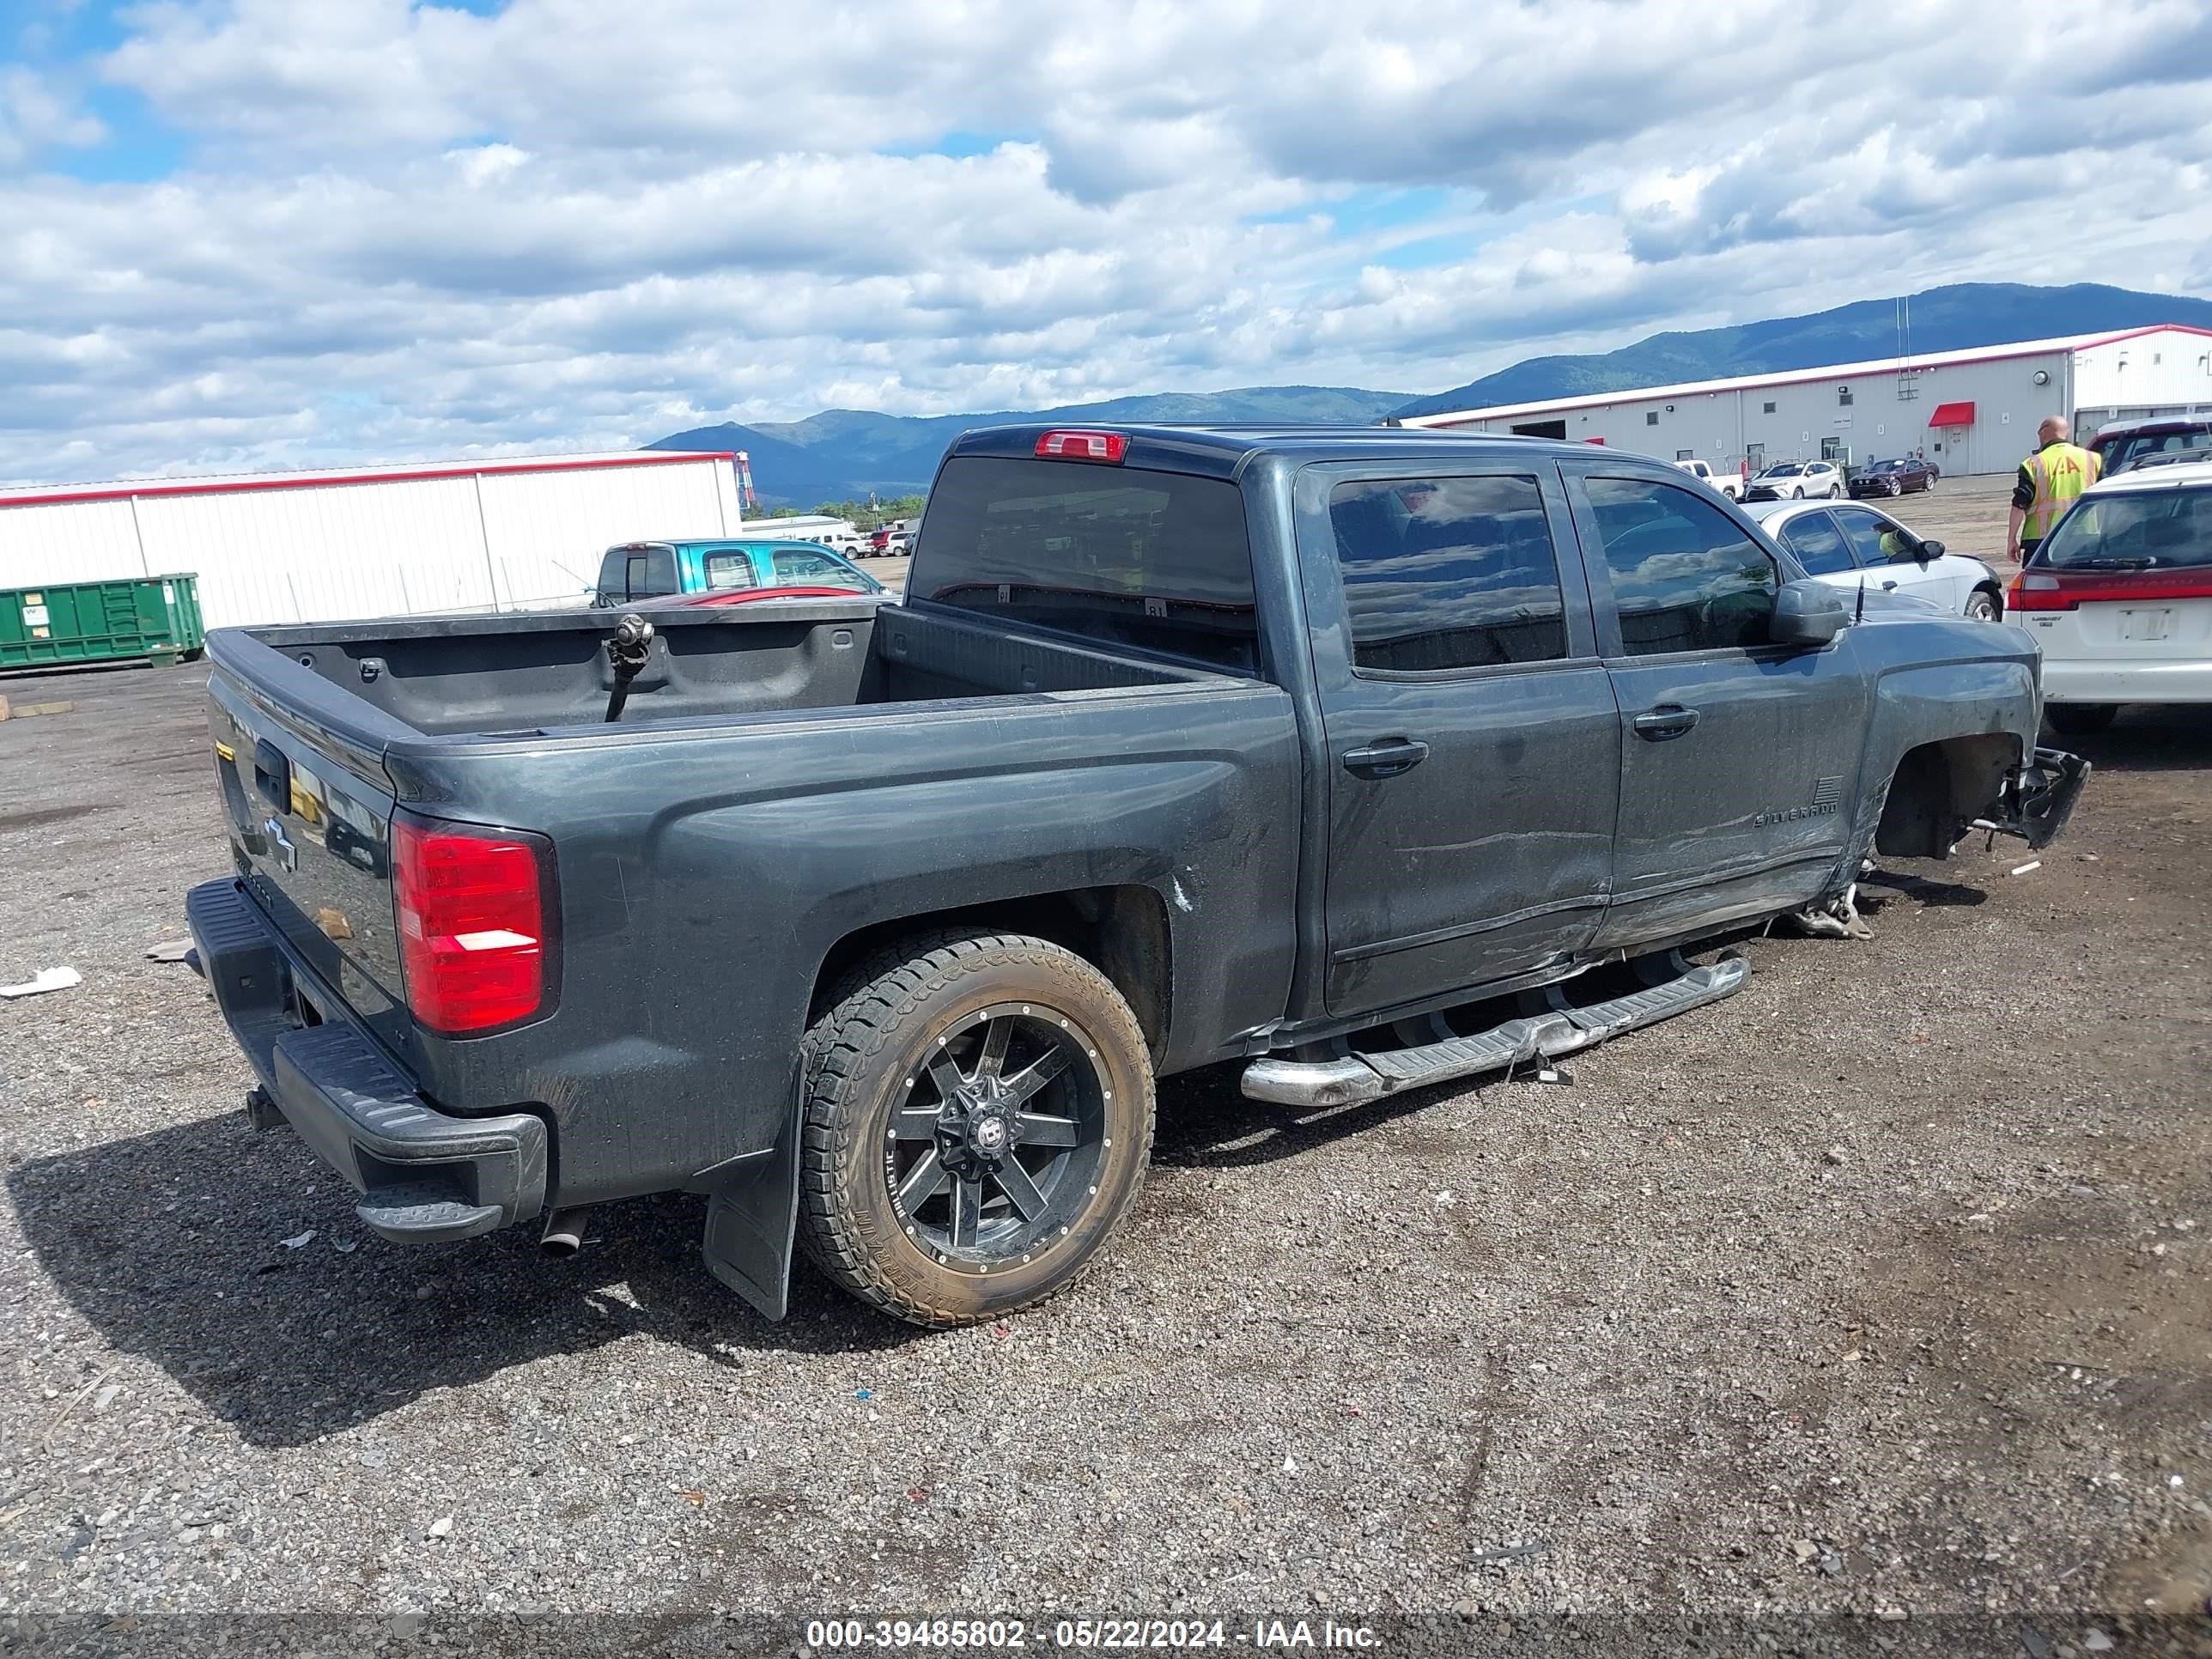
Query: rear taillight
{"points": [[2037, 589], [1106, 446], [2031, 590], [472, 911]]}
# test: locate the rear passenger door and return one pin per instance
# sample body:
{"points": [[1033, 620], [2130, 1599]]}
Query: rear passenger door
{"points": [[1473, 741], [1737, 756]]}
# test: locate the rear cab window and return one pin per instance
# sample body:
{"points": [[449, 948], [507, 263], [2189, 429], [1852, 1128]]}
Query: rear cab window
{"points": [[1124, 555]]}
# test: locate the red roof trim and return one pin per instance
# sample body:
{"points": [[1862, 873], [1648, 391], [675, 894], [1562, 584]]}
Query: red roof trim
{"points": [[250, 485], [1953, 414]]}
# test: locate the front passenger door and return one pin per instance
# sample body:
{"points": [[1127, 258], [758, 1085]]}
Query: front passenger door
{"points": [[1738, 757]]}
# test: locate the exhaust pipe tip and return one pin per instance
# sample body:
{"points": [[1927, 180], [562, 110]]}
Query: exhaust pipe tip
{"points": [[564, 1232]]}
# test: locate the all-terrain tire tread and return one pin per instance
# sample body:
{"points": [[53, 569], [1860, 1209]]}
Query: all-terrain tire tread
{"points": [[878, 995]]}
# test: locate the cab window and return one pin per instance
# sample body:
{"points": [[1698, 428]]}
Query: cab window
{"points": [[1819, 545], [1686, 576], [1443, 574], [797, 570], [1875, 539], [652, 572], [730, 571]]}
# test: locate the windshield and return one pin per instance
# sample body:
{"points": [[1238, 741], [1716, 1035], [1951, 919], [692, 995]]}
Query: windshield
{"points": [[2133, 530], [1784, 469], [1886, 466]]}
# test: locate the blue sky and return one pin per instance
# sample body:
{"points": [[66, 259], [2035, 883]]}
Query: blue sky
{"points": [[246, 232]]}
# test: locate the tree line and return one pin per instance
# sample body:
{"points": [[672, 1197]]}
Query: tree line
{"points": [[862, 515]]}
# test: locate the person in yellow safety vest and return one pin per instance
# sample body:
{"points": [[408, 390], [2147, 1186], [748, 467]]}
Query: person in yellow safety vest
{"points": [[2048, 481]]}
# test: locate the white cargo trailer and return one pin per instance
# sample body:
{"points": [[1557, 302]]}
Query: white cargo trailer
{"points": [[467, 536]]}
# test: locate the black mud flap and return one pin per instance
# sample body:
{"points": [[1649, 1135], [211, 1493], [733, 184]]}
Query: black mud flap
{"points": [[2041, 797], [750, 1222]]}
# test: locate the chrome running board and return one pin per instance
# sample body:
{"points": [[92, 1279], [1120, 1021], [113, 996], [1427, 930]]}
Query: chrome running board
{"points": [[1352, 1078]]}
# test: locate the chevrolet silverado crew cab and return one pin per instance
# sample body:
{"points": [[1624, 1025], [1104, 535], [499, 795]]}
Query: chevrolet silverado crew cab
{"points": [[1356, 758]]}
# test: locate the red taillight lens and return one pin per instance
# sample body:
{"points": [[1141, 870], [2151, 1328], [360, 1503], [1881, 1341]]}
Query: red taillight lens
{"points": [[471, 914], [2046, 590], [1106, 446]]}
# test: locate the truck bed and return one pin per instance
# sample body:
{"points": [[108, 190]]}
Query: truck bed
{"points": [[538, 674]]}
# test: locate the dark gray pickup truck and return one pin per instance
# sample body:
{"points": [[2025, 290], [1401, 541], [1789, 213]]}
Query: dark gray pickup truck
{"points": [[1362, 758]]}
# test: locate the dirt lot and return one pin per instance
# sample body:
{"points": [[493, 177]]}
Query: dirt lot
{"points": [[1870, 1304]]}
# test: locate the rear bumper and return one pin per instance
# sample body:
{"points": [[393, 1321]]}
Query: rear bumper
{"points": [[424, 1176], [2126, 682]]}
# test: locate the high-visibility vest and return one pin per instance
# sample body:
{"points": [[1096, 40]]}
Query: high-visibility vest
{"points": [[2061, 473]]}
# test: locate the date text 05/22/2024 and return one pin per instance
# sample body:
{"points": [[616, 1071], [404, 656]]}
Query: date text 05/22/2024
{"points": [[1088, 1634]]}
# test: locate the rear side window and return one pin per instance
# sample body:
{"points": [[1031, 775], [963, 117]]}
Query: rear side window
{"points": [[1818, 544], [2133, 530], [1448, 573], [1157, 560], [797, 570], [1685, 577], [730, 571]]}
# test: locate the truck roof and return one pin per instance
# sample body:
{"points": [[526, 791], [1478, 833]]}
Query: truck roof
{"points": [[1222, 450]]}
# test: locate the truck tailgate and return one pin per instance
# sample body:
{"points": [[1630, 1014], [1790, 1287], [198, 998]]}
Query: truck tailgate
{"points": [[310, 819]]}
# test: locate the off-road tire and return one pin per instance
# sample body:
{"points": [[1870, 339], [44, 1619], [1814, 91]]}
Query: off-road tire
{"points": [[856, 1060]]}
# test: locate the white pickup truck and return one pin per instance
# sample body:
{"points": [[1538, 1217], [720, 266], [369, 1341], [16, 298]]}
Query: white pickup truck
{"points": [[1730, 484]]}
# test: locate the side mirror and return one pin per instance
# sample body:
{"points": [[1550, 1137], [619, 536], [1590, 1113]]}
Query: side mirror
{"points": [[1929, 550], [1807, 614]]}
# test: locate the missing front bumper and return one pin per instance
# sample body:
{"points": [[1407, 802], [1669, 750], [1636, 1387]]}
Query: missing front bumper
{"points": [[2039, 798]]}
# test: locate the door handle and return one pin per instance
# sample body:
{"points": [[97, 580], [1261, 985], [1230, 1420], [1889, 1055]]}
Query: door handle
{"points": [[1669, 719], [1385, 758]]}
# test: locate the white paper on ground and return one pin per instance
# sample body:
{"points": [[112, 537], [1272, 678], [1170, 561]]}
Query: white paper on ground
{"points": [[48, 979]]}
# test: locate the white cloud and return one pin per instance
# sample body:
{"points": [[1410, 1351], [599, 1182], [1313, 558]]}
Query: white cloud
{"points": [[409, 229]]}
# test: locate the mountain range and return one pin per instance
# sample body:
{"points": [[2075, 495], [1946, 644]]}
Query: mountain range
{"points": [[844, 453]]}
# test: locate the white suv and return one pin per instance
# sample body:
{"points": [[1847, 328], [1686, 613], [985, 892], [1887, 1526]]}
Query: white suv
{"points": [[2119, 597]]}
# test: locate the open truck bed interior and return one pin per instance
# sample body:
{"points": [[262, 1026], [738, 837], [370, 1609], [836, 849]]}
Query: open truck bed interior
{"points": [[541, 673]]}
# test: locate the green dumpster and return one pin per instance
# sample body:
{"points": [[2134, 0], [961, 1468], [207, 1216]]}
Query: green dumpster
{"points": [[156, 618]]}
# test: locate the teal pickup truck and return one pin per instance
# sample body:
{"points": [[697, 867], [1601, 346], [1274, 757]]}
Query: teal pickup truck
{"points": [[726, 571]]}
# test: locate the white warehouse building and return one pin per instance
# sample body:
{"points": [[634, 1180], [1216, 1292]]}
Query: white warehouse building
{"points": [[1967, 411], [407, 540]]}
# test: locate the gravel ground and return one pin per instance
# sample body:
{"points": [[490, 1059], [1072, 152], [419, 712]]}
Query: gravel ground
{"points": [[1872, 1302]]}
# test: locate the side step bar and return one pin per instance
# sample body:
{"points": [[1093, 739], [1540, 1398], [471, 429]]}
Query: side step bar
{"points": [[1349, 1078]]}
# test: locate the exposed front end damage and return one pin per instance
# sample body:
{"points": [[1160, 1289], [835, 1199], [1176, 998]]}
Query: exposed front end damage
{"points": [[1943, 790]]}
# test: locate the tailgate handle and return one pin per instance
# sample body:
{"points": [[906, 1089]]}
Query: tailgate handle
{"points": [[272, 775]]}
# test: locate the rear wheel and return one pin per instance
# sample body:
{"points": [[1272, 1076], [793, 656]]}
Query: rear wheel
{"points": [[978, 1113], [1834, 491], [1983, 604], [2075, 719]]}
